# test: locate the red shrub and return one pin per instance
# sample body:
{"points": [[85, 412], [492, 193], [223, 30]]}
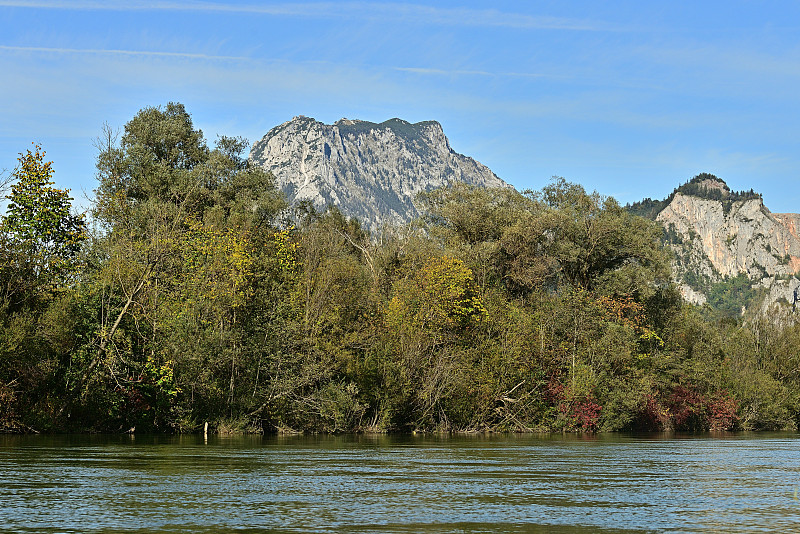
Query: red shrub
{"points": [[723, 412], [586, 415]]}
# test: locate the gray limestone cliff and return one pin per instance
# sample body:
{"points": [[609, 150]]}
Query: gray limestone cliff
{"points": [[717, 235], [370, 171]]}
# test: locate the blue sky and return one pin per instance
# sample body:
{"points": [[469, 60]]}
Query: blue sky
{"points": [[627, 98]]}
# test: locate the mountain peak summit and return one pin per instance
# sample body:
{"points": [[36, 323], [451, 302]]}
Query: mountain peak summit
{"points": [[709, 182], [371, 171]]}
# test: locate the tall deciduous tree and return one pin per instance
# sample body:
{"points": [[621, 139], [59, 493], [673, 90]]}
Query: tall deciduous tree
{"points": [[600, 247], [41, 235], [180, 220], [40, 239]]}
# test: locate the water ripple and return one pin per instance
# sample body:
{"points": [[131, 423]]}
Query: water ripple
{"points": [[738, 483]]}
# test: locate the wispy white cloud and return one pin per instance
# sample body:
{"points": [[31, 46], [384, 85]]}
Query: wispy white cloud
{"points": [[89, 5], [394, 11], [466, 72], [444, 72], [112, 52], [246, 80], [721, 69], [102, 84], [491, 17]]}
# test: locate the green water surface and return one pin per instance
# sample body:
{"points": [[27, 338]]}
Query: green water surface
{"points": [[651, 483]]}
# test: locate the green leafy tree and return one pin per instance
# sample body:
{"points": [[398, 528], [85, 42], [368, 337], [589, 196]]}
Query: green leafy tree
{"points": [[598, 246], [439, 298], [42, 236], [40, 239], [474, 223], [434, 310], [180, 221]]}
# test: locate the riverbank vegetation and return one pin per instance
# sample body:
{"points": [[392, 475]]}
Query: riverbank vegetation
{"points": [[191, 294]]}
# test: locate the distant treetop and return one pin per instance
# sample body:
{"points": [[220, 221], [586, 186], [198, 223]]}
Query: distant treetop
{"points": [[704, 185], [708, 186]]}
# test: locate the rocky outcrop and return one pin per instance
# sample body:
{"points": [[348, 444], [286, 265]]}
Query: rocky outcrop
{"points": [[716, 235], [369, 171], [747, 239], [692, 296]]}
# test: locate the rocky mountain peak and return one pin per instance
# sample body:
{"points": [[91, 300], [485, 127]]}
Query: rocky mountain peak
{"points": [[717, 235], [708, 183], [371, 171]]}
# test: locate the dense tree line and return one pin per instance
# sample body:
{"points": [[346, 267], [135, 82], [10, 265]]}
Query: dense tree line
{"points": [[194, 295]]}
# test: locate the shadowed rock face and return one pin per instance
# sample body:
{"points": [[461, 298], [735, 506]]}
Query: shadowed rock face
{"points": [[369, 171]]}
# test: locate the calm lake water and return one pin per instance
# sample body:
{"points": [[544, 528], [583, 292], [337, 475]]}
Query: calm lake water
{"points": [[652, 483]]}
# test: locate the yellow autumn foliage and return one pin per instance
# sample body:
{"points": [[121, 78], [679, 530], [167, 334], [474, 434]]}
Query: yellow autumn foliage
{"points": [[440, 296], [216, 265]]}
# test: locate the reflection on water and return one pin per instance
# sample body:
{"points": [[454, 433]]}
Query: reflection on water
{"points": [[652, 483]]}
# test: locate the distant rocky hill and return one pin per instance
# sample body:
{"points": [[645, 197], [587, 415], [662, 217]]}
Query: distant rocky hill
{"points": [[369, 171], [729, 249]]}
